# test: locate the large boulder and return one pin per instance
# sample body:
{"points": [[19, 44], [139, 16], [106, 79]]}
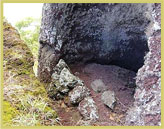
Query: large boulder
{"points": [[102, 33]]}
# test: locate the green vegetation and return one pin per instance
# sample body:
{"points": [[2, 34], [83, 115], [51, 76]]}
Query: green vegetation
{"points": [[29, 32], [9, 113], [34, 110], [25, 99]]}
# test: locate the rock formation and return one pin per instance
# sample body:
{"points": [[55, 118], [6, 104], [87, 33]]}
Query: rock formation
{"points": [[119, 34], [101, 33], [64, 83], [23, 94], [78, 94], [147, 106]]}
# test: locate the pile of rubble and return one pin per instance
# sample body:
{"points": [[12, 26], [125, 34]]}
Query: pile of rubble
{"points": [[64, 83]]}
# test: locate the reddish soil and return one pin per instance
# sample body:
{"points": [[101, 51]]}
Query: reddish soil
{"points": [[116, 79], [68, 115]]}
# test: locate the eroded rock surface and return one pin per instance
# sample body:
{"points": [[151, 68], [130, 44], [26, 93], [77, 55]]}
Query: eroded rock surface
{"points": [[101, 33], [147, 106]]}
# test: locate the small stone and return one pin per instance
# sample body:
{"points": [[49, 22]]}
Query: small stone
{"points": [[78, 94], [108, 98], [98, 85], [57, 70], [88, 109]]}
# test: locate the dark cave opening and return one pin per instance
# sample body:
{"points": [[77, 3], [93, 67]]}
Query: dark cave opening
{"points": [[130, 57]]}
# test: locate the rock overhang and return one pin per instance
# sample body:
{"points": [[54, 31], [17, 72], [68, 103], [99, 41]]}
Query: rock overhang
{"points": [[101, 33]]}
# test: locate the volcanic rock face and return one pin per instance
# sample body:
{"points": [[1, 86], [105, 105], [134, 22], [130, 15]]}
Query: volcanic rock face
{"points": [[101, 33], [147, 106]]}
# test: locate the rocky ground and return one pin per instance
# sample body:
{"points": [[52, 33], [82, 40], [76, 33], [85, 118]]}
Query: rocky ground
{"points": [[112, 78], [111, 91]]}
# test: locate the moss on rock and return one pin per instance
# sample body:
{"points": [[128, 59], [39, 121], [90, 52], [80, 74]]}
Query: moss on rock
{"points": [[25, 97], [9, 113]]}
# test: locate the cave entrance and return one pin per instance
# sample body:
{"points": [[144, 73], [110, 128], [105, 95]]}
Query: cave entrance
{"points": [[103, 44], [116, 75], [111, 65]]}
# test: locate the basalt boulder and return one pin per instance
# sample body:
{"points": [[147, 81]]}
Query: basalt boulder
{"points": [[98, 85]]}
